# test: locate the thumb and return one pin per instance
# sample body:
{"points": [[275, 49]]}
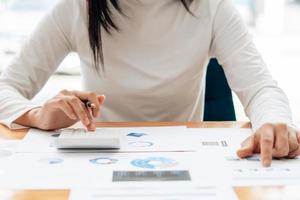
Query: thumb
{"points": [[247, 148], [101, 99]]}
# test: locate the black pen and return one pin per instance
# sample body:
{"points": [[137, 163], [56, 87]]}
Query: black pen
{"points": [[89, 105]]}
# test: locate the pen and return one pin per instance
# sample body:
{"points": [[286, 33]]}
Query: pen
{"points": [[89, 105]]}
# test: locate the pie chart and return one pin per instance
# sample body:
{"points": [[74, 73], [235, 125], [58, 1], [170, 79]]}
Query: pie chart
{"points": [[103, 161], [154, 163]]}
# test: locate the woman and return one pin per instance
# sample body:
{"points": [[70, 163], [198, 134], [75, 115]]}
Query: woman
{"points": [[149, 59]]}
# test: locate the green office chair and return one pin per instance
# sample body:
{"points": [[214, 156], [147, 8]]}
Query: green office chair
{"points": [[218, 96]]}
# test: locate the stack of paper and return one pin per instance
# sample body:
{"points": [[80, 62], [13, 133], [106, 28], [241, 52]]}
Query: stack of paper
{"points": [[153, 163]]}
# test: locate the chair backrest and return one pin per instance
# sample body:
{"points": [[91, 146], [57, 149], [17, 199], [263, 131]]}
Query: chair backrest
{"points": [[218, 96]]}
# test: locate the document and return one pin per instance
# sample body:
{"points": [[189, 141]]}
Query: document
{"points": [[249, 171], [9, 144], [182, 192], [179, 163], [148, 193], [98, 170], [224, 141], [145, 139], [7, 148]]}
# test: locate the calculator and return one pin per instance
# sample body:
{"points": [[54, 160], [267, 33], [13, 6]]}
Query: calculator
{"points": [[82, 139]]}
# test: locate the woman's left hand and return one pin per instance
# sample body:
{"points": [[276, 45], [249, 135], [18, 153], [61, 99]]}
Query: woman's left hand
{"points": [[272, 141]]}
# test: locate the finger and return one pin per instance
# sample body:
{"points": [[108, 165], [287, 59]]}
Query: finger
{"points": [[90, 96], [67, 109], [248, 147], [101, 99], [266, 145], [293, 143], [297, 151], [79, 109], [281, 141], [298, 137], [91, 127], [65, 92], [90, 114]]}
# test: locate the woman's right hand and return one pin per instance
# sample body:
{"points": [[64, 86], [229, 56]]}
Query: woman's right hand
{"points": [[64, 110]]}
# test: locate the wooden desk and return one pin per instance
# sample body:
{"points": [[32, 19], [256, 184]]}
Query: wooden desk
{"points": [[19, 134], [64, 194]]}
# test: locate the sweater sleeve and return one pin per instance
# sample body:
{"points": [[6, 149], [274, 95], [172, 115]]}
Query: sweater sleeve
{"points": [[247, 74], [39, 57]]}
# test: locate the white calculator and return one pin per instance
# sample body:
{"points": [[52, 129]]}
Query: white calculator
{"points": [[81, 139]]}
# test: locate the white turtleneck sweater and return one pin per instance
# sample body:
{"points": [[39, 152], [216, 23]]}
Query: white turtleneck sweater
{"points": [[154, 66]]}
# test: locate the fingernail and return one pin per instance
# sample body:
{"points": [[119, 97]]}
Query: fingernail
{"points": [[73, 116], [91, 127], [266, 163]]}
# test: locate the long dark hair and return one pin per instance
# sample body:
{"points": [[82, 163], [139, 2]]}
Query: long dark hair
{"points": [[100, 16]]}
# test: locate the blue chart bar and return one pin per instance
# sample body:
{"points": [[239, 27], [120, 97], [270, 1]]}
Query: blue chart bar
{"points": [[51, 161], [136, 134], [126, 176]]}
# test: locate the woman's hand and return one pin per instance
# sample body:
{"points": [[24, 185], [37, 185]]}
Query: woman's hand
{"points": [[64, 110], [272, 141]]}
